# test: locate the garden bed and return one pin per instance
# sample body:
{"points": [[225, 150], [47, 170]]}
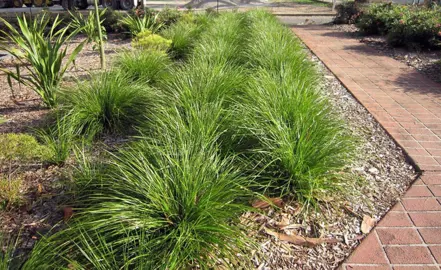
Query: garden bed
{"points": [[237, 115]]}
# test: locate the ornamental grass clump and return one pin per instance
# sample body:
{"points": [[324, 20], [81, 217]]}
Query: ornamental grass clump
{"points": [[165, 204], [148, 67], [301, 147], [185, 33], [224, 40], [109, 102], [42, 53]]}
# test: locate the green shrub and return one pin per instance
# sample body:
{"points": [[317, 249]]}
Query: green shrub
{"points": [[404, 25], [112, 21], [347, 12], [149, 67], [20, 148], [416, 28], [379, 17], [43, 56], [110, 102], [88, 25], [146, 40], [168, 16]]}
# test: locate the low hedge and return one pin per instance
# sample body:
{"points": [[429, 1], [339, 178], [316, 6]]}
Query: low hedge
{"points": [[411, 26]]}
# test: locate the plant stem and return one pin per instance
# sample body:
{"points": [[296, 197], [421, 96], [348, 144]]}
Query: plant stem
{"points": [[100, 35]]}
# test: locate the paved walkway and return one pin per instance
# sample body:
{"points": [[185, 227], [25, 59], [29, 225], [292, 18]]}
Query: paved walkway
{"points": [[408, 106]]}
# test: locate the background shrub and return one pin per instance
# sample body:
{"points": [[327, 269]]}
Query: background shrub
{"points": [[347, 12], [411, 26], [146, 40]]}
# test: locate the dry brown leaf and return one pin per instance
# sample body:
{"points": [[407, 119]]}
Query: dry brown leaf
{"points": [[367, 224], [262, 204], [39, 188], [68, 213], [300, 240]]}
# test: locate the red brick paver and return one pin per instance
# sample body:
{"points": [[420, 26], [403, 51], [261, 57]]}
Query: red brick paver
{"points": [[408, 106], [405, 102]]}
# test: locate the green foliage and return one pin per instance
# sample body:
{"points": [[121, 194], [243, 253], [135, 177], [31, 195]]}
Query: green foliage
{"points": [[245, 106], [301, 147], [88, 25], [224, 40], [404, 25], [43, 56], [169, 16], [148, 67], [347, 12], [58, 139], [112, 21], [8, 247], [20, 147], [168, 204], [146, 40], [10, 192], [110, 102], [141, 22], [184, 34]]}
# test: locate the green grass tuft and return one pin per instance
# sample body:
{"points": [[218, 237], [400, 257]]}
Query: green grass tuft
{"points": [[148, 67], [301, 147], [109, 103]]}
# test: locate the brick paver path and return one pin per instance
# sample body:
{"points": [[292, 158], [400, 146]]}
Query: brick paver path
{"points": [[408, 106]]}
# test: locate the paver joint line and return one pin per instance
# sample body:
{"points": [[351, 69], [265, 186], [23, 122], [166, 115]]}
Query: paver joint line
{"points": [[408, 106]]}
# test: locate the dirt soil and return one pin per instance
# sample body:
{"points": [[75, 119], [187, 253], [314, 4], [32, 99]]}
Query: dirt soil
{"points": [[46, 188], [428, 62]]}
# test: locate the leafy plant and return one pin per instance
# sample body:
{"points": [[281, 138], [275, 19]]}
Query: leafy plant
{"points": [[109, 102], [20, 147], [42, 55], [403, 25], [8, 247], [10, 192], [416, 28], [169, 16], [141, 22], [88, 25], [58, 139], [145, 40], [151, 67], [347, 12]]}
